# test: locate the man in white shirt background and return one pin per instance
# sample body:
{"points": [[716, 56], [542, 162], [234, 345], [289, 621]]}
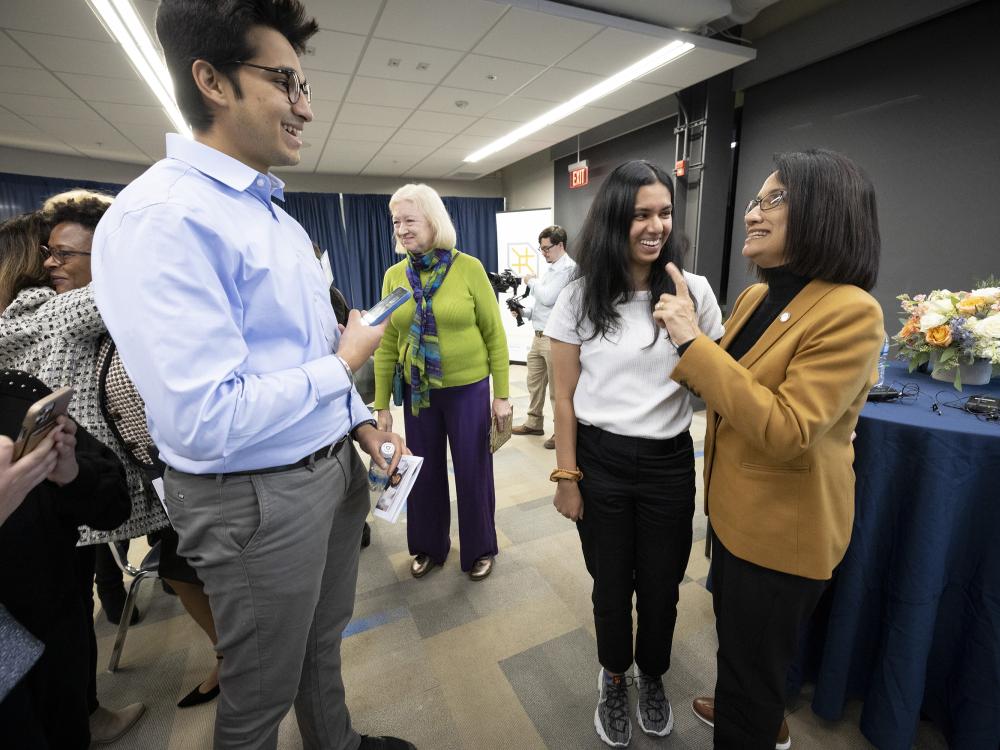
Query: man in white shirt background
{"points": [[544, 293]]}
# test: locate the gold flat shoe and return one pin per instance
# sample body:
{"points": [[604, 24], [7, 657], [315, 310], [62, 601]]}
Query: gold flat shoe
{"points": [[420, 565], [481, 568]]}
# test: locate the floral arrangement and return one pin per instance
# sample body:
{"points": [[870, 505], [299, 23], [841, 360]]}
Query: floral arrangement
{"points": [[950, 328]]}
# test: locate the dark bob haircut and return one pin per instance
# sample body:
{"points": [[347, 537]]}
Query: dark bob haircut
{"points": [[603, 248], [84, 211], [555, 234], [217, 31], [833, 230]]}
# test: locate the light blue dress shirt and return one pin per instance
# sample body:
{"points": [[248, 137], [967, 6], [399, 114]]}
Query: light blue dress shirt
{"points": [[222, 315]]}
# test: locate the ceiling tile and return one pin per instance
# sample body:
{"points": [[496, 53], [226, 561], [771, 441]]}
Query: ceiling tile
{"points": [[439, 122], [696, 65], [387, 93], [101, 89], [150, 138], [510, 75], [345, 15], [455, 24], [94, 136], [327, 86], [31, 81], [333, 51], [407, 137], [131, 114], [37, 142], [439, 61], [478, 103], [70, 19], [130, 155], [556, 133], [535, 37], [343, 131], [389, 165], [11, 123], [12, 54], [406, 150], [558, 85], [324, 110], [635, 95], [362, 114], [491, 128], [62, 54], [41, 106], [347, 156], [469, 143], [590, 117], [613, 50], [521, 109]]}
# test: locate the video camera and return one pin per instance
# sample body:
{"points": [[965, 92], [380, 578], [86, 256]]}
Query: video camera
{"points": [[505, 282]]}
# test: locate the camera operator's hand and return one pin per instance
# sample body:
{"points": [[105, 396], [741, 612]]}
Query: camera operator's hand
{"points": [[384, 420], [66, 469], [568, 499], [359, 341], [513, 312], [527, 276]]}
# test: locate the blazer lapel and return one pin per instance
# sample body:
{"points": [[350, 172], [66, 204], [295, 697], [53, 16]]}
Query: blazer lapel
{"points": [[812, 293], [741, 314]]}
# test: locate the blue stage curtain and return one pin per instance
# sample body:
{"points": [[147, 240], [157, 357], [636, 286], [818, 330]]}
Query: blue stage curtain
{"points": [[370, 242], [320, 215], [475, 222], [24, 193]]}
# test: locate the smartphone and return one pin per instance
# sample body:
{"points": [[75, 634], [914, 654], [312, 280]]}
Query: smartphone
{"points": [[381, 310], [40, 420]]}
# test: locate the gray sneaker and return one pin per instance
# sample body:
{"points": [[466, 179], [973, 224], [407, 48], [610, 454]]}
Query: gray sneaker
{"points": [[611, 717], [655, 715]]}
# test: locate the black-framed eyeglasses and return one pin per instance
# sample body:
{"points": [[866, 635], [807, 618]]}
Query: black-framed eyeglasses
{"points": [[543, 248], [294, 86], [766, 202], [57, 254]]}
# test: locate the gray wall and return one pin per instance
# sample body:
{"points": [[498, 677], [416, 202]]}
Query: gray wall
{"points": [[920, 112]]}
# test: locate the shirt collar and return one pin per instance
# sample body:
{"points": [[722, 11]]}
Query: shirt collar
{"points": [[224, 168], [560, 263]]}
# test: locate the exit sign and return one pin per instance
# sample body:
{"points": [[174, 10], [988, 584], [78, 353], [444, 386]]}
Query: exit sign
{"points": [[579, 175]]}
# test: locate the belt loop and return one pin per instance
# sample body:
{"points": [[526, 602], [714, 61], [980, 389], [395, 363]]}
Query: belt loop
{"points": [[219, 479], [312, 463]]}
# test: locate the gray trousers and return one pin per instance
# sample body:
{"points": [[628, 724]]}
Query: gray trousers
{"points": [[279, 557]]}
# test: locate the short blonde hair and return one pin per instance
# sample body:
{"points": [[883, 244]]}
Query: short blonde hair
{"points": [[76, 194], [429, 203]]}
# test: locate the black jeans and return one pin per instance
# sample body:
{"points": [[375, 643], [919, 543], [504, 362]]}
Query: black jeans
{"points": [[759, 614], [638, 502], [86, 557]]}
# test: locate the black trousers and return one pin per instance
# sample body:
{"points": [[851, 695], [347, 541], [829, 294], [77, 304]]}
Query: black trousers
{"points": [[107, 574], [638, 502], [759, 614], [85, 561]]}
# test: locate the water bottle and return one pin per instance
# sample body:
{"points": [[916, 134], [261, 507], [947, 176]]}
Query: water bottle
{"points": [[882, 357], [378, 479]]}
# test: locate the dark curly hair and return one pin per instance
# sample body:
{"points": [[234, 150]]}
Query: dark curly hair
{"points": [[217, 31], [85, 211]]}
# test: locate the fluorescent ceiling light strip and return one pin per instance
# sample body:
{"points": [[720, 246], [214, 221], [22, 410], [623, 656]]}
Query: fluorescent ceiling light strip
{"points": [[609, 85], [145, 44], [149, 65]]}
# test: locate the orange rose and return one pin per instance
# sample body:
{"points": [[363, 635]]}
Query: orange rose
{"points": [[911, 327], [970, 304], [939, 336]]}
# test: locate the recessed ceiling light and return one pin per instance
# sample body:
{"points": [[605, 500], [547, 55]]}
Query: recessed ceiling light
{"points": [[609, 85], [491, 76], [461, 103], [394, 62], [121, 20], [423, 66]]}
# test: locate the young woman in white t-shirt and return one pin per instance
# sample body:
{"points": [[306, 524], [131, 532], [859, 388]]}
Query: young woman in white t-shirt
{"points": [[625, 456]]}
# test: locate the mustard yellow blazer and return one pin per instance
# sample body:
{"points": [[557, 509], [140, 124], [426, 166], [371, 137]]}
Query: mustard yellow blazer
{"points": [[779, 476]]}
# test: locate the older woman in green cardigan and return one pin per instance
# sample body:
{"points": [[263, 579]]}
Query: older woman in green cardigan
{"points": [[447, 341]]}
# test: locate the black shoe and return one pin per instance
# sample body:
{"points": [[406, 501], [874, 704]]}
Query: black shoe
{"points": [[384, 743], [196, 697], [366, 535], [113, 605]]}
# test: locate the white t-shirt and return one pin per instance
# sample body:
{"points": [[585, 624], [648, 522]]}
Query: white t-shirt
{"points": [[625, 384]]}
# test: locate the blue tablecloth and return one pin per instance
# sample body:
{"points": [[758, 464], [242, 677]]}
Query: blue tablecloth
{"points": [[911, 623]]}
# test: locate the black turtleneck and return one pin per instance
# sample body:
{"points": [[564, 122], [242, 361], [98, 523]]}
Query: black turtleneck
{"points": [[782, 286]]}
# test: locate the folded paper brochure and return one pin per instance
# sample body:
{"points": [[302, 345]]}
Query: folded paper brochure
{"points": [[392, 499]]}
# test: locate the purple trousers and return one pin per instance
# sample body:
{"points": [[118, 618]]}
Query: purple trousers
{"points": [[460, 416]]}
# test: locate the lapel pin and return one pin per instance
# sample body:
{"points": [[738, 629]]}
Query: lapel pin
{"points": [[784, 316]]}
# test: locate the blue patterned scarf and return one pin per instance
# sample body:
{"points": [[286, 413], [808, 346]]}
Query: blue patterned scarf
{"points": [[422, 341]]}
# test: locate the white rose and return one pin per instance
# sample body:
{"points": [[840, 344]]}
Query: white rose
{"points": [[989, 327], [932, 320], [942, 306], [990, 292]]}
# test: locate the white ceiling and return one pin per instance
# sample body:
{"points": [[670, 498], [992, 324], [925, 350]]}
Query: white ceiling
{"points": [[67, 87]]}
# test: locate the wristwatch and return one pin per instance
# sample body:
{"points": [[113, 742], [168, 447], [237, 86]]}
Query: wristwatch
{"points": [[573, 475]]}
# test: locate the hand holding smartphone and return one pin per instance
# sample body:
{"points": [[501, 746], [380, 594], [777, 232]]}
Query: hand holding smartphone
{"points": [[40, 420], [384, 308]]}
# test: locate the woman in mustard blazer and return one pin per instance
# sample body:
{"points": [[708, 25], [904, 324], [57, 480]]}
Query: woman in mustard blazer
{"points": [[783, 389]]}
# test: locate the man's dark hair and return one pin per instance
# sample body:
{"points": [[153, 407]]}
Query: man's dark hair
{"points": [[555, 234], [833, 231], [603, 247], [218, 32], [85, 211]]}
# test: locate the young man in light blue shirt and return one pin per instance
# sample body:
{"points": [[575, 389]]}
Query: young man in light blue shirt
{"points": [[222, 317]]}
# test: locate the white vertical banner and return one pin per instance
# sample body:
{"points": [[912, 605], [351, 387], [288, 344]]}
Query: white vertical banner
{"points": [[517, 249]]}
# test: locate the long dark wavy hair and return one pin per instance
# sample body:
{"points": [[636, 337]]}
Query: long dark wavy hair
{"points": [[603, 258]]}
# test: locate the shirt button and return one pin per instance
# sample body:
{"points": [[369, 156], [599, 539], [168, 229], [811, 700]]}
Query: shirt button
{"points": [[260, 182]]}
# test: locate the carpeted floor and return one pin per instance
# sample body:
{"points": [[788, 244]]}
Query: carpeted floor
{"points": [[447, 663]]}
